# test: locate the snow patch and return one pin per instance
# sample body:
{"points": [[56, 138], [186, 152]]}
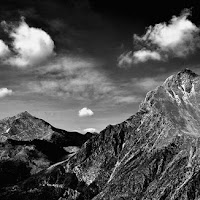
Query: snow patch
{"points": [[7, 130], [186, 95], [112, 175]]}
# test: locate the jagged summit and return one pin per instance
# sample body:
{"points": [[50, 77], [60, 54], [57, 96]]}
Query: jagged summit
{"points": [[24, 114], [181, 88], [187, 72], [183, 80]]}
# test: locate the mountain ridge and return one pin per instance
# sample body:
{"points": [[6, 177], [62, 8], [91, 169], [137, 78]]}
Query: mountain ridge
{"points": [[154, 154], [29, 121]]}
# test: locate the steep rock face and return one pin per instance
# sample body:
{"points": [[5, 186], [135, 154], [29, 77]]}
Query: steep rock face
{"points": [[163, 161], [155, 154], [29, 145]]}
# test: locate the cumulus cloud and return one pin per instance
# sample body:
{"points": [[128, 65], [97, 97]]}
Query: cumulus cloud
{"points": [[5, 92], [85, 112], [178, 38], [178, 33], [4, 50], [91, 130], [30, 45]]}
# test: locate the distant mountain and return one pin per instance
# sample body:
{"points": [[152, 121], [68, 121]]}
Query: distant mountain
{"points": [[29, 145], [25, 127], [152, 155]]}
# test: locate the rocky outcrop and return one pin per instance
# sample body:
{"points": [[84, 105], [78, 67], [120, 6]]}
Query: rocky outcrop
{"points": [[155, 154]]}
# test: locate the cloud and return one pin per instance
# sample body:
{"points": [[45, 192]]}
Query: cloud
{"points": [[30, 45], [148, 83], [5, 92], [145, 55], [75, 77], [68, 65], [127, 99], [4, 50], [80, 79], [178, 38], [85, 112], [91, 130], [125, 59]]}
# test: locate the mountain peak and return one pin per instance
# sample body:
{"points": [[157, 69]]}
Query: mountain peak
{"points": [[180, 93], [187, 72], [24, 114], [186, 78], [183, 80]]}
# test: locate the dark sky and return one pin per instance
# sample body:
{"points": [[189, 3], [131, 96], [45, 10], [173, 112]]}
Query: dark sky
{"points": [[104, 22], [64, 55], [115, 21]]}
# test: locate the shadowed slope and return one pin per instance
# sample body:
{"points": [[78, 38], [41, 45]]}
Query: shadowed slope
{"points": [[29, 145]]}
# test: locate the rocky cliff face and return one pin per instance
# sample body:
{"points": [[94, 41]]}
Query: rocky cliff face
{"points": [[163, 159], [155, 154]]}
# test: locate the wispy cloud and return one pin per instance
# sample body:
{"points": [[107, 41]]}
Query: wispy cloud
{"points": [[125, 59], [148, 83], [127, 99], [134, 90], [30, 46], [145, 55], [74, 77], [82, 79], [178, 38], [85, 112], [5, 92]]}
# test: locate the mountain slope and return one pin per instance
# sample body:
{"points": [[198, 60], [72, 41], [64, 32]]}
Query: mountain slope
{"points": [[29, 145], [152, 155], [163, 162], [25, 127]]}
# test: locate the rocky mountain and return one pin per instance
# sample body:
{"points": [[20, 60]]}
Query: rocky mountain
{"points": [[154, 154], [29, 145], [25, 127]]}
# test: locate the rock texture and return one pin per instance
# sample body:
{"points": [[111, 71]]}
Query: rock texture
{"points": [[155, 154], [29, 145]]}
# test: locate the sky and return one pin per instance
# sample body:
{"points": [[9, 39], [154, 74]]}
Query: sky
{"points": [[84, 64]]}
